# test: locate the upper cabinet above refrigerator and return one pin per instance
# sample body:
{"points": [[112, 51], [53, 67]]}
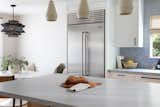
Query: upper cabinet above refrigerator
{"points": [[129, 27]]}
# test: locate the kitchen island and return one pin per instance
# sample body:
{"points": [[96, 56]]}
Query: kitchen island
{"points": [[112, 93]]}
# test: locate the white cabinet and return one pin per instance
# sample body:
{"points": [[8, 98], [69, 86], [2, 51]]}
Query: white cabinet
{"points": [[133, 77], [129, 28], [124, 76], [150, 78]]}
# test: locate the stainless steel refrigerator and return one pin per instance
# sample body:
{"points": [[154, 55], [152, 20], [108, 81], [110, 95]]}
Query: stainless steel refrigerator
{"points": [[86, 44]]}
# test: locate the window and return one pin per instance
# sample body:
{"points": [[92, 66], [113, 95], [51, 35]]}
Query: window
{"points": [[155, 37]]}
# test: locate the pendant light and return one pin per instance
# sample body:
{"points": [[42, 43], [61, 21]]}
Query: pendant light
{"points": [[83, 10], [51, 12], [13, 28], [125, 7]]}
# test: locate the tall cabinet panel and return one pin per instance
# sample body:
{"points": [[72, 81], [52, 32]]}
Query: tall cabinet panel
{"points": [[129, 28]]}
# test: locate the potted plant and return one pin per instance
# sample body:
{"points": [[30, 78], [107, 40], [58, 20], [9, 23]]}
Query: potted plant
{"points": [[13, 64]]}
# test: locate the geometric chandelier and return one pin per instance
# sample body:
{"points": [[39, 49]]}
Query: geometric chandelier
{"points": [[13, 28]]}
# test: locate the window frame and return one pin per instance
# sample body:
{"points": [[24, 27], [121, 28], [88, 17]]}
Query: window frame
{"points": [[151, 47], [152, 32]]}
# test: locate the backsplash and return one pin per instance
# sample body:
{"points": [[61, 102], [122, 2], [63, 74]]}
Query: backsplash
{"points": [[141, 55]]}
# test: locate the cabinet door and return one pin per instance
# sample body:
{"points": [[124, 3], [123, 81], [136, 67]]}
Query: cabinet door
{"points": [[126, 30], [129, 28], [150, 78], [117, 75]]}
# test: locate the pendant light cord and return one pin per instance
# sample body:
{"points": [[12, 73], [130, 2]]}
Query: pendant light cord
{"points": [[13, 5], [13, 13]]}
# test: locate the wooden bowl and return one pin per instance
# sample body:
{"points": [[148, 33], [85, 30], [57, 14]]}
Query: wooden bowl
{"points": [[130, 65]]}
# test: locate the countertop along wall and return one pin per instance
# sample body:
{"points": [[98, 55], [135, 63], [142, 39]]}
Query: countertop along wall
{"points": [[151, 7]]}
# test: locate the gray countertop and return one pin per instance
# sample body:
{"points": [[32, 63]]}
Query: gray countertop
{"points": [[112, 93], [140, 71]]}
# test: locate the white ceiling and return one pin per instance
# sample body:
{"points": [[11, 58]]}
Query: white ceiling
{"points": [[30, 6], [23, 6]]}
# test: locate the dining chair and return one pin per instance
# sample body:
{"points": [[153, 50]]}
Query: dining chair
{"points": [[60, 68], [10, 102]]}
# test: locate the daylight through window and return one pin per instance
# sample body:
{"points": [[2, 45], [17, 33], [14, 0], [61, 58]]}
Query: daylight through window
{"points": [[155, 37]]}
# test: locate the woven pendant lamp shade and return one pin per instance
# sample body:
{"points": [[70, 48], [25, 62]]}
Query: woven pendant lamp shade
{"points": [[83, 9], [51, 12], [125, 7]]}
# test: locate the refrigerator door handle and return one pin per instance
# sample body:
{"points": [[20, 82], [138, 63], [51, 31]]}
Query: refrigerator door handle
{"points": [[86, 54], [85, 70], [83, 54]]}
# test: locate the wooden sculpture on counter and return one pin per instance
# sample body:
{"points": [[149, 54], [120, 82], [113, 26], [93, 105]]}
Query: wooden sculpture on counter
{"points": [[73, 80]]}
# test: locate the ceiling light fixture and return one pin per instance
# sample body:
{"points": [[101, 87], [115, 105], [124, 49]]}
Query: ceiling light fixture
{"points": [[125, 7], [51, 12], [13, 28], [83, 9]]}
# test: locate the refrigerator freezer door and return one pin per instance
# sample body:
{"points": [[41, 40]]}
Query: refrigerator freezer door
{"points": [[75, 52], [96, 52], [86, 50]]}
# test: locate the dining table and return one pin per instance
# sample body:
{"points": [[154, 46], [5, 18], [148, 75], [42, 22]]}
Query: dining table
{"points": [[24, 74], [20, 75], [47, 90]]}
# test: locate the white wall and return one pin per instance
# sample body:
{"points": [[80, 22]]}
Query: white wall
{"points": [[111, 50], [8, 45], [1, 40], [44, 43]]}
